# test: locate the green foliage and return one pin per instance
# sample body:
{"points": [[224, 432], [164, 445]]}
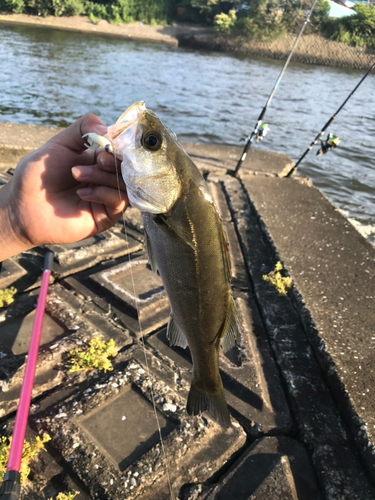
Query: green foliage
{"points": [[225, 22], [261, 28], [16, 6], [67, 7], [282, 285], [320, 14], [30, 451], [6, 296], [204, 11], [95, 355], [358, 29], [39, 7], [66, 496]]}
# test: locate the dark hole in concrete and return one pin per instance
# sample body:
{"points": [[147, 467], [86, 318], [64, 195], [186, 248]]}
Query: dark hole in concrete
{"points": [[140, 278], [124, 441], [16, 335], [234, 355]]}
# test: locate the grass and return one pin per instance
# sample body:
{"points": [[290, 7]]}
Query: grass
{"points": [[274, 278], [66, 496], [93, 356], [30, 451], [6, 296]]}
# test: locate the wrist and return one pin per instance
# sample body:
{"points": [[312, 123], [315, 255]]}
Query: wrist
{"points": [[11, 238]]}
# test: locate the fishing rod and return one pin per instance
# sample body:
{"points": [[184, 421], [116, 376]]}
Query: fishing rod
{"points": [[332, 141], [11, 487], [255, 132]]}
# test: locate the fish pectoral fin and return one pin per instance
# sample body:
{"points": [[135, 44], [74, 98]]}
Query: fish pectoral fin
{"points": [[227, 261], [150, 254], [175, 334], [199, 401], [166, 223], [230, 333]]}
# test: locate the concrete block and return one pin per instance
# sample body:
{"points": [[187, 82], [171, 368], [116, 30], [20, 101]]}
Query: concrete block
{"points": [[89, 431], [317, 415], [272, 468], [11, 272], [74, 257], [214, 157], [341, 474], [64, 328], [137, 290], [333, 269]]}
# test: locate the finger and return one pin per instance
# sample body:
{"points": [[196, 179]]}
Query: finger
{"points": [[108, 162], [71, 137], [93, 174], [106, 196]]}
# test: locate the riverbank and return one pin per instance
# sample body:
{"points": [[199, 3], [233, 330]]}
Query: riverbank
{"points": [[133, 31], [312, 49]]}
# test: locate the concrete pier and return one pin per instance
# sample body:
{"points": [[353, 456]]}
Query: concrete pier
{"points": [[300, 387]]}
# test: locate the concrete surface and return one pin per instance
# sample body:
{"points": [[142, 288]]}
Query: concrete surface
{"points": [[299, 385]]}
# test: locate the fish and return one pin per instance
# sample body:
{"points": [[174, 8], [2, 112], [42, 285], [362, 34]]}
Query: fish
{"points": [[186, 244]]}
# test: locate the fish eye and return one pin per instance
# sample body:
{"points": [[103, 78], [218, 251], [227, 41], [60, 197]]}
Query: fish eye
{"points": [[152, 141]]}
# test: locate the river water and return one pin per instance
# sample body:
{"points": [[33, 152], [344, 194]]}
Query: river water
{"points": [[51, 77]]}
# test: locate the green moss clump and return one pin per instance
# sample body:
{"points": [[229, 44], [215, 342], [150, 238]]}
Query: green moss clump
{"points": [[30, 451], [66, 496], [6, 296], [282, 285], [95, 355]]}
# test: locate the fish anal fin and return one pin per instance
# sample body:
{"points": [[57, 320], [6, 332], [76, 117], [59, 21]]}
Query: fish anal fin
{"points": [[150, 254], [175, 334], [199, 401], [230, 333]]}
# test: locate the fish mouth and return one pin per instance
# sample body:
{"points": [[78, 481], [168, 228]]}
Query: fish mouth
{"points": [[123, 133]]}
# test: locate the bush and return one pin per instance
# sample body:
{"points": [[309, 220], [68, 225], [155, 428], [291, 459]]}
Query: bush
{"points": [[16, 6], [320, 14], [358, 29], [261, 28], [67, 7], [39, 7], [225, 22]]}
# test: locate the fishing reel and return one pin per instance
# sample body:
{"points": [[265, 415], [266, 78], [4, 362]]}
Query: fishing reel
{"points": [[330, 143], [262, 132]]}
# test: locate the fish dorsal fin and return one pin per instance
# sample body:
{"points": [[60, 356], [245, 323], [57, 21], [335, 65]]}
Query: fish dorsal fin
{"points": [[230, 333], [150, 254], [175, 334]]}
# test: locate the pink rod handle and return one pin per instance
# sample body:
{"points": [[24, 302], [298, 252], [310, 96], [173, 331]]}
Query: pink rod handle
{"points": [[16, 448]]}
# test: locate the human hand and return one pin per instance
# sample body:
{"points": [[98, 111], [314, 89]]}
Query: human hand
{"points": [[61, 192]]}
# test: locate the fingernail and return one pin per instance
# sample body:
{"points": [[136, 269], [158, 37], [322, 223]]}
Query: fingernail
{"points": [[100, 129], [82, 172], [84, 192]]}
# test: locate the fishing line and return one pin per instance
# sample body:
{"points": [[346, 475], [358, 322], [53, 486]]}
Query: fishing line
{"points": [[321, 133], [141, 334], [255, 132]]}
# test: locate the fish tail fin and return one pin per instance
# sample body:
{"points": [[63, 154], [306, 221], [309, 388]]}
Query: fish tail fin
{"points": [[199, 401]]}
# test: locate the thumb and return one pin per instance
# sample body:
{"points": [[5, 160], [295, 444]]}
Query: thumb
{"points": [[71, 137]]}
